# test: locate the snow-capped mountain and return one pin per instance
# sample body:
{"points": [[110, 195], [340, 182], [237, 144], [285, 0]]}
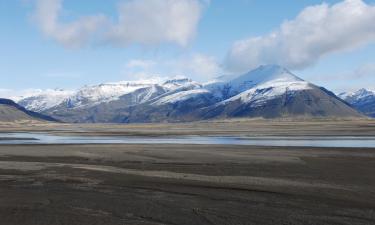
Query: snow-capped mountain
{"points": [[268, 91], [357, 95], [363, 100], [273, 91], [267, 76], [92, 95], [41, 100], [88, 96], [181, 96], [178, 90], [265, 83], [274, 78], [179, 82]]}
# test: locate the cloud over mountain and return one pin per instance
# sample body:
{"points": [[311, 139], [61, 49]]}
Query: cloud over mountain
{"points": [[144, 22], [200, 67], [156, 21], [72, 34], [317, 31]]}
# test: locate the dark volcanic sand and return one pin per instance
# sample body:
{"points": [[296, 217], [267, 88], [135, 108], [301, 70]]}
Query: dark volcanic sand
{"points": [[185, 184]]}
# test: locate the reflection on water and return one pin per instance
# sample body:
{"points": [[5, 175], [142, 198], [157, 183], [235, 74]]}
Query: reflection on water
{"points": [[313, 141]]}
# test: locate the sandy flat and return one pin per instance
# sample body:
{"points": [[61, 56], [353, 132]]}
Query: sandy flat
{"points": [[189, 184], [185, 184]]}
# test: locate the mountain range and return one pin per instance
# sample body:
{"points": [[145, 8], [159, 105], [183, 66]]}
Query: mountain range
{"points": [[269, 91], [363, 100]]}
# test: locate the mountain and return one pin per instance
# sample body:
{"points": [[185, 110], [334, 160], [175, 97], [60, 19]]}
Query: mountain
{"points": [[89, 96], [268, 91], [12, 112], [179, 105], [363, 100], [85, 97], [272, 91], [112, 102], [40, 101]]}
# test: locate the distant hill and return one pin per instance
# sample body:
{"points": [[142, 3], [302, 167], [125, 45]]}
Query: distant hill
{"points": [[11, 112], [269, 91], [363, 100]]}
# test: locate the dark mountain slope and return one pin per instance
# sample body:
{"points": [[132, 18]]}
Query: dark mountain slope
{"points": [[11, 111]]}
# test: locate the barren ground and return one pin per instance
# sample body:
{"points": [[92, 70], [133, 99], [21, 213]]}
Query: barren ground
{"points": [[189, 184]]}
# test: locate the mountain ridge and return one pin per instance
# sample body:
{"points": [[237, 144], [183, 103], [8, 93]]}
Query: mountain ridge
{"points": [[268, 91], [363, 100]]}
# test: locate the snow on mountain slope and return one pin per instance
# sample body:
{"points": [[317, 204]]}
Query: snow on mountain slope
{"points": [[218, 87], [263, 83], [263, 75], [363, 100], [179, 82], [357, 95], [181, 96], [178, 90], [87, 96], [270, 89], [273, 91], [40, 100], [149, 93], [93, 95]]}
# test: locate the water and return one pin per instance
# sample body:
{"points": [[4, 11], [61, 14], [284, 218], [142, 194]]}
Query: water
{"points": [[305, 141]]}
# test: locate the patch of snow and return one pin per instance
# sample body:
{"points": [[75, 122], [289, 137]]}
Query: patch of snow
{"points": [[262, 75], [41, 100], [269, 90], [360, 94], [179, 82], [93, 95], [149, 94], [181, 96]]}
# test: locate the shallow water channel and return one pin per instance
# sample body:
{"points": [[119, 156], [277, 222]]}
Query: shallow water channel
{"points": [[301, 141]]}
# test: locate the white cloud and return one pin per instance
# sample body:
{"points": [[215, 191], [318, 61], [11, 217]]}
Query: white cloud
{"points": [[346, 80], [137, 63], [364, 71], [152, 22], [145, 22], [16, 95], [71, 35], [317, 31], [196, 66], [5, 93], [360, 74], [199, 65]]}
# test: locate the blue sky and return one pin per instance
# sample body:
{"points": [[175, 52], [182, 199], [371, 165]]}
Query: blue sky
{"points": [[88, 42]]}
